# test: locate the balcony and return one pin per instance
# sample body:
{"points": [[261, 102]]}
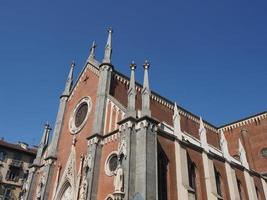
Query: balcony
{"points": [[16, 163]]}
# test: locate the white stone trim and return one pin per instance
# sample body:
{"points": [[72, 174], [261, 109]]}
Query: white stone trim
{"points": [[232, 183], [110, 196], [250, 186], [264, 185]]}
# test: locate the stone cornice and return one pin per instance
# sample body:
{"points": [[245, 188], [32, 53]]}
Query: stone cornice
{"points": [[243, 122]]}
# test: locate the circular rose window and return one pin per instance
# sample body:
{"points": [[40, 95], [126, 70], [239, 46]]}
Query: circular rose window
{"points": [[111, 163], [80, 115]]}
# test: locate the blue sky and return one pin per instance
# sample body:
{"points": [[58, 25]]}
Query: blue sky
{"points": [[209, 56]]}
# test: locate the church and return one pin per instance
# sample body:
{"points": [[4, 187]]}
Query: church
{"points": [[116, 139]]}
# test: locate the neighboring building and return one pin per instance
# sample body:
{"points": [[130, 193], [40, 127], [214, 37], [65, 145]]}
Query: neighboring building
{"points": [[14, 167], [116, 139]]}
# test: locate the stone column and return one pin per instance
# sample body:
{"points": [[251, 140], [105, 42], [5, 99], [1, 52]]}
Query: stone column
{"points": [[209, 177], [232, 183], [250, 185], [181, 171], [127, 149], [94, 154], [180, 158], [264, 185], [146, 160], [230, 172]]}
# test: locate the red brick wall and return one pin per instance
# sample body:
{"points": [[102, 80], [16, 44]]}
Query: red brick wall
{"points": [[220, 167], [241, 178], [83, 89], [105, 184], [196, 157], [169, 149], [254, 141]]}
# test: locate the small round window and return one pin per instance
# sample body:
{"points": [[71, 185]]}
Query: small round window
{"points": [[111, 164], [80, 115], [264, 152]]}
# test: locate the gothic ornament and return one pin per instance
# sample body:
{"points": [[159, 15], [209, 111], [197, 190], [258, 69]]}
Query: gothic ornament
{"points": [[122, 150]]}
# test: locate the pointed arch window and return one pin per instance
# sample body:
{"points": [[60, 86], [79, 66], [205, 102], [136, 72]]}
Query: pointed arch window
{"points": [[162, 174], [192, 177], [218, 183]]}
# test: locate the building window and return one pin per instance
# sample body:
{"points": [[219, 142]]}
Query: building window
{"points": [[2, 155], [162, 174], [13, 174], [7, 194], [17, 156], [218, 183], [192, 177], [264, 152], [111, 164]]}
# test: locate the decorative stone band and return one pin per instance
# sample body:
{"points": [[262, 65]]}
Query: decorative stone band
{"points": [[164, 102], [246, 121]]}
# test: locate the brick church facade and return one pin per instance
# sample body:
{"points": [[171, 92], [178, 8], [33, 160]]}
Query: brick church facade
{"points": [[115, 139]]}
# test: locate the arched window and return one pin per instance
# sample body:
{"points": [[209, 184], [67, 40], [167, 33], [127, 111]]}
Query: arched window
{"points": [[218, 183], [191, 173], [192, 178], [162, 174], [2, 155]]}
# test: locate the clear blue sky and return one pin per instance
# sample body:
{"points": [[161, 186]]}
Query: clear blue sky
{"points": [[209, 56]]}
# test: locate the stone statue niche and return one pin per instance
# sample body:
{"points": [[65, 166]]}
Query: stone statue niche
{"points": [[119, 180]]}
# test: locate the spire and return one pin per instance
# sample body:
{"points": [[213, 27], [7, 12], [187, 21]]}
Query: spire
{"points": [[46, 134], [203, 135], [43, 143], [224, 146], [177, 122], [242, 154], [132, 92], [92, 51], [146, 92], [69, 81], [108, 48]]}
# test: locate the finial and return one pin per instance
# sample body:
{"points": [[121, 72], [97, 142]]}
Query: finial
{"points": [[146, 64], [108, 48], [73, 64], [132, 65], [47, 126], [146, 92], [177, 122], [92, 50], [110, 30]]}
